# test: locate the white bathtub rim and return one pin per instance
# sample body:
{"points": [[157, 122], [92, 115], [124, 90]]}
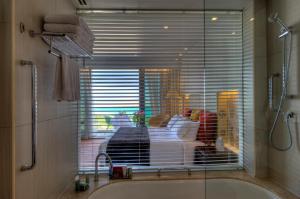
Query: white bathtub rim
{"points": [[259, 186]]}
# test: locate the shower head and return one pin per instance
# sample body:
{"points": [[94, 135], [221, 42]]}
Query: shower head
{"points": [[274, 18]]}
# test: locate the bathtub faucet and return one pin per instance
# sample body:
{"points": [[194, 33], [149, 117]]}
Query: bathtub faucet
{"points": [[96, 177]]}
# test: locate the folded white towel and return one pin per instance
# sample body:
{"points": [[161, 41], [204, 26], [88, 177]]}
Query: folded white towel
{"points": [[66, 84], [67, 19]]}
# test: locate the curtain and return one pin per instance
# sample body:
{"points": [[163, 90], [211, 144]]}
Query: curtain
{"points": [[152, 92], [171, 98]]}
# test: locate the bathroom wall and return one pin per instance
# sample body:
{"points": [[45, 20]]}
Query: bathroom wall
{"points": [[260, 89], [255, 88], [6, 128], [248, 61], [57, 121], [284, 167]]}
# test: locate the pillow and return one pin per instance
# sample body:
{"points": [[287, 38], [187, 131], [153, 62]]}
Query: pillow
{"points": [[165, 120], [208, 127], [180, 127], [192, 131], [195, 115], [173, 120]]}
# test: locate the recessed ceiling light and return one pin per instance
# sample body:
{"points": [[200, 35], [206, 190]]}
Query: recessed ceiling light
{"points": [[180, 54], [252, 19], [166, 27], [185, 49], [176, 59], [214, 18], [233, 33]]}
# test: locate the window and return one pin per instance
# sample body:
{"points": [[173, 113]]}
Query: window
{"points": [[144, 75], [111, 92]]}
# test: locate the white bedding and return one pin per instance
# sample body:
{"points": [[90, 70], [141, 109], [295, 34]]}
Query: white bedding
{"points": [[166, 148]]}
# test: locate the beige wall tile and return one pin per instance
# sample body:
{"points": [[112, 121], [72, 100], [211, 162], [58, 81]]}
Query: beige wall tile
{"points": [[4, 11], [5, 163], [260, 89], [5, 75], [6, 132], [249, 134], [57, 135], [25, 184], [23, 146], [56, 158], [284, 166]]}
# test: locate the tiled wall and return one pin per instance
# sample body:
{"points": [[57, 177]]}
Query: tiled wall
{"points": [[248, 46], [260, 89], [5, 100], [57, 121], [284, 167], [255, 104]]}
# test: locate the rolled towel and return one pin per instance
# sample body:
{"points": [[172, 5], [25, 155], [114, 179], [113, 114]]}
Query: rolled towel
{"points": [[66, 84], [63, 19], [67, 19]]}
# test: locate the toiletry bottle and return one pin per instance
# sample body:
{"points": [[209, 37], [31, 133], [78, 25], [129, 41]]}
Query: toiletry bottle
{"points": [[77, 183]]}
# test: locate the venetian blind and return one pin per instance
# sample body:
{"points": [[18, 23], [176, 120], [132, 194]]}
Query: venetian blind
{"points": [[164, 89]]}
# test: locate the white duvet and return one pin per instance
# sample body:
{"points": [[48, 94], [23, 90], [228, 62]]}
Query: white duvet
{"points": [[166, 148]]}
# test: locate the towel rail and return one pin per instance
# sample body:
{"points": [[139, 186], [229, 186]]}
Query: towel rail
{"points": [[33, 113], [62, 43]]}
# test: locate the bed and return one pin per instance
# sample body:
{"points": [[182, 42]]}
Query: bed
{"points": [[165, 148]]}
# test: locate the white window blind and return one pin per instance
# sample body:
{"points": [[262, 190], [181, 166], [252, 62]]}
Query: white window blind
{"points": [[150, 69]]}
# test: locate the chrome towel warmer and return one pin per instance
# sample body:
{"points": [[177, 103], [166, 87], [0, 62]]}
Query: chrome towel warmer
{"points": [[33, 113], [61, 43]]}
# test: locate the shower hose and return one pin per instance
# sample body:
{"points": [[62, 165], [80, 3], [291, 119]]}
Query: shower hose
{"points": [[287, 52]]}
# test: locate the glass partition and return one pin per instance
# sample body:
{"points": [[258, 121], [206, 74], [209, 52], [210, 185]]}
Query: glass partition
{"points": [[228, 63], [167, 89]]}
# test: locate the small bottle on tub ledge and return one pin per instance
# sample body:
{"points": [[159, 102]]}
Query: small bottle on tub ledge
{"points": [[120, 172], [82, 183]]}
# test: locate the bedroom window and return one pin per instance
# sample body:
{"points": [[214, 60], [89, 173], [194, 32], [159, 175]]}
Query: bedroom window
{"points": [[164, 98], [106, 94]]}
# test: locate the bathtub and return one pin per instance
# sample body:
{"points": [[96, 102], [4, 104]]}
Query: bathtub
{"points": [[183, 189]]}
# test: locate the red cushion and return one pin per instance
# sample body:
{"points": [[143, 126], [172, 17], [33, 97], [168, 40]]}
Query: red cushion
{"points": [[208, 127]]}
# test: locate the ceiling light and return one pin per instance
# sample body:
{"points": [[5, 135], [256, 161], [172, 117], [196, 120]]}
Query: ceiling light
{"points": [[233, 33], [185, 49], [214, 18], [166, 27], [180, 55], [252, 19]]}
